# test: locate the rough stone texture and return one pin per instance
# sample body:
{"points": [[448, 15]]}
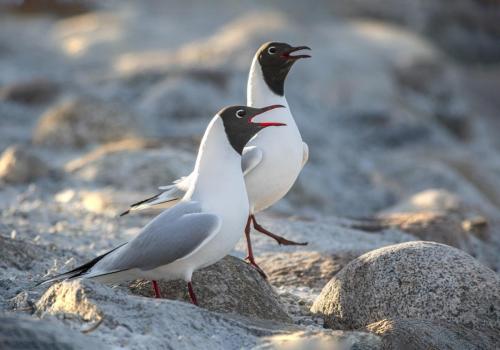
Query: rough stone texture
{"points": [[21, 266], [19, 254], [413, 334], [22, 332], [412, 280], [18, 164], [299, 268], [77, 122], [336, 340], [229, 286], [120, 318]]}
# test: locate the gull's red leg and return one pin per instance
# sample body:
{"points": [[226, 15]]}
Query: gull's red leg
{"points": [[250, 258], [279, 239], [192, 296], [156, 288]]}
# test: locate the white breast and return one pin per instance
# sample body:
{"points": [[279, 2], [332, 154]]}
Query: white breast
{"points": [[282, 146]]}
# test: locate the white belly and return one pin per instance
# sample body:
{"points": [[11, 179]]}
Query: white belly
{"points": [[271, 180]]}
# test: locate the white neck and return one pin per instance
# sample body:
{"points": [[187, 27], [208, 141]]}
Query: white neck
{"points": [[217, 164], [258, 92]]}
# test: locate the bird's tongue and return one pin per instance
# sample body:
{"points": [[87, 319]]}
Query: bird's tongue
{"points": [[266, 124]]}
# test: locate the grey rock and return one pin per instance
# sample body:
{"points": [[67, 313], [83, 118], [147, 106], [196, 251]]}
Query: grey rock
{"points": [[78, 122], [22, 332], [412, 280], [21, 266], [414, 334], [20, 255], [229, 286], [19, 164], [118, 318]]}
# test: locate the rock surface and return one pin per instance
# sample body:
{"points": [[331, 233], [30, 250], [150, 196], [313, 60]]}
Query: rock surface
{"points": [[119, 318], [19, 164], [229, 286], [299, 268], [412, 334], [28, 334], [412, 280]]}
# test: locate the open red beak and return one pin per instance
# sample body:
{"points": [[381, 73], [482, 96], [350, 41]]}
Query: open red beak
{"points": [[264, 110], [287, 54]]}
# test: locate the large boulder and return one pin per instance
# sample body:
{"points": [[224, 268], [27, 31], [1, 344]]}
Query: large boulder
{"points": [[423, 280], [412, 334], [19, 164], [77, 122], [115, 317], [229, 286]]}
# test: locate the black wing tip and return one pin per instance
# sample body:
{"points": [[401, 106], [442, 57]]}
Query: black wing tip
{"points": [[125, 212]]}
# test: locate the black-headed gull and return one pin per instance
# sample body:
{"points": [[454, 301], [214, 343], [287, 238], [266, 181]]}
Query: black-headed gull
{"points": [[273, 159], [207, 222]]}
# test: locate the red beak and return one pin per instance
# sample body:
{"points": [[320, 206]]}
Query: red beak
{"points": [[287, 55], [263, 110]]}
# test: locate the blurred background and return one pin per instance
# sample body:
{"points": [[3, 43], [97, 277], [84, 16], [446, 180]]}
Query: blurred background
{"points": [[103, 101]]}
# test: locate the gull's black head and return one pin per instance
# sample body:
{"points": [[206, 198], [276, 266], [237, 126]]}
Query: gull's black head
{"points": [[239, 125], [276, 59]]}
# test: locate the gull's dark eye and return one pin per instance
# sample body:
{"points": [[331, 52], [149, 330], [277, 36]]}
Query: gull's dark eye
{"points": [[240, 113], [271, 50]]}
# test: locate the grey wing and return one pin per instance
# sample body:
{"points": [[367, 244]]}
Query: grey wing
{"points": [[250, 158], [305, 153], [170, 194], [172, 235]]}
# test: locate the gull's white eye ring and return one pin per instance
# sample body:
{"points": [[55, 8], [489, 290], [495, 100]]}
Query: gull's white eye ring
{"points": [[240, 113], [271, 50]]}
